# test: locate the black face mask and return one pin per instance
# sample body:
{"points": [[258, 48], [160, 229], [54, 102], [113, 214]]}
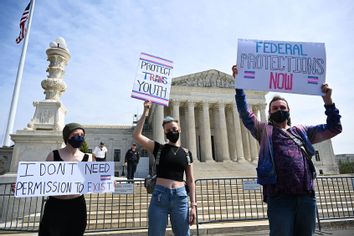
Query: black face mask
{"points": [[76, 141], [173, 136], [279, 116]]}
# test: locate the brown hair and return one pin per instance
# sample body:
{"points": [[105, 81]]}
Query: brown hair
{"points": [[69, 128], [168, 119]]}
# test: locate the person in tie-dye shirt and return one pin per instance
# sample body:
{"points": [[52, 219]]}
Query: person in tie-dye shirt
{"points": [[284, 169]]}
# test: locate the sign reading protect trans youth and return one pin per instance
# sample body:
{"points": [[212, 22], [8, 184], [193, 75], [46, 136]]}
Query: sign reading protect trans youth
{"points": [[153, 79], [63, 178], [289, 67]]}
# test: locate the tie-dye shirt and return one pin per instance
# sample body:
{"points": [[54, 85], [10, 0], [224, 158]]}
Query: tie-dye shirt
{"points": [[291, 166]]}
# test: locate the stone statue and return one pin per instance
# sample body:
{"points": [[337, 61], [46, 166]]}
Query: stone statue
{"points": [[58, 56], [50, 113]]}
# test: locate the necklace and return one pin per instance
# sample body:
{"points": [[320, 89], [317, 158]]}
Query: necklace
{"points": [[174, 152]]}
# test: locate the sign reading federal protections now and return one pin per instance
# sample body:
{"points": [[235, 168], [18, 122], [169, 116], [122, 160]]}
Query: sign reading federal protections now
{"points": [[287, 67], [63, 178]]}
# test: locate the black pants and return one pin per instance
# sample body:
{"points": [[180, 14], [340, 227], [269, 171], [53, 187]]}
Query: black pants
{"points": [[131, 168], [64, 217]]}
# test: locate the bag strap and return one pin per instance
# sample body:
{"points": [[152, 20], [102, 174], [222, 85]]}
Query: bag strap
{"points": [[187, 155], [299, 142], [158, 155], [157, 160]]}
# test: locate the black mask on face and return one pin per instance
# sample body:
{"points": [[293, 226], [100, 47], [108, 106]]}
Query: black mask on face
{"points": [[76, 141], [173, 136], [279, 116]]}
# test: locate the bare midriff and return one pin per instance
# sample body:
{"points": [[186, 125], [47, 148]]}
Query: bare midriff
{"points": [[169, 183]]}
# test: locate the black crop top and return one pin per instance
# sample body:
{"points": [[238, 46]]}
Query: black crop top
{"points": [[58, 158], [173, 161]]}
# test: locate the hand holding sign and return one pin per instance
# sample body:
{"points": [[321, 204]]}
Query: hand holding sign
{"points": [[13, 187], [147, 106], [327, 97], [234, 71]]}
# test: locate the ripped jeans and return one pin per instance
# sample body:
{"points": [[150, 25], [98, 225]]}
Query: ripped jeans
{"points": [[164, 202]]}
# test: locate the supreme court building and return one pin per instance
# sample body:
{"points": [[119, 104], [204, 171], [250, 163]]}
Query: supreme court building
{"points": [[204, 104]]}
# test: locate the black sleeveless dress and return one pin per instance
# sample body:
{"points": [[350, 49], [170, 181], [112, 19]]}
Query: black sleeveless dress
{"points": [[64, 217]]}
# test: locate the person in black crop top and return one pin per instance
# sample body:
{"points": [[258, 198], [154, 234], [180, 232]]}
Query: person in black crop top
{"points": [[169, 196], [66, 215]]}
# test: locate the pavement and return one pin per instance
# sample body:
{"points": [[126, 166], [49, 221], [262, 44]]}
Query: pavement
{"points": [[249, 228]]}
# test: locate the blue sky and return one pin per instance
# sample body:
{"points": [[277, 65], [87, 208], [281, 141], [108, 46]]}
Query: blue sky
{"points": [[105, 38]]}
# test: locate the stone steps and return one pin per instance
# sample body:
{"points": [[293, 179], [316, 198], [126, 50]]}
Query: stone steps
{"points": [[223, 169], [219, 201]]}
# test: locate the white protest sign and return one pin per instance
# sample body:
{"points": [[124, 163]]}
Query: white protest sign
{"points": [[63, 178], [288, 67], [153, 79], [124, 188], [251, 185]]}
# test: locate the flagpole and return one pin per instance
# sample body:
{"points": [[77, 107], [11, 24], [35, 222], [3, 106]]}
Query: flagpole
{"points": [[15, 94]]}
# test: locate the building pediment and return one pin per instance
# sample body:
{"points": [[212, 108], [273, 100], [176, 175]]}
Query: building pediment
{"points": [[209, 78]]}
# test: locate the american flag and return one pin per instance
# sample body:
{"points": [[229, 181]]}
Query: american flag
{"points": [[23, 20]]}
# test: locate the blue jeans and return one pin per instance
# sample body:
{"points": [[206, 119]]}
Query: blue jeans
{"points": [[164, 202], [291, 215]]}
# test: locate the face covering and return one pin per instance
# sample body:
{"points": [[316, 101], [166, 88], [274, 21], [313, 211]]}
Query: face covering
{"points": [[76, 141], [173, 136], [279, 116]]}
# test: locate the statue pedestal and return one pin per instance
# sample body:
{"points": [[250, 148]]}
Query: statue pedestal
{"points": [[42, 135], [34, 145], [49, 115]]}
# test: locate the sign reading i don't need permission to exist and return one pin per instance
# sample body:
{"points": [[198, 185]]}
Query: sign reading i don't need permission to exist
{"points": [[289, 67], [64, 178], [153, 79]]}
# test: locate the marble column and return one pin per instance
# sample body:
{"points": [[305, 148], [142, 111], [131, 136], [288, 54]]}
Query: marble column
{"points": [[255, 109], [205, 134], [231, 132], [245, 143], [253, 141], [223, 150], [175, 114], [263, 113], [238, 134], [158, 132], [253, 148], [191, 136]]}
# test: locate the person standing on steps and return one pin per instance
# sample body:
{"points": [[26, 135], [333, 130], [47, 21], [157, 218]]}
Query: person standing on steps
{"points": [[132, 158], [170, 195], [285, 168]]}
